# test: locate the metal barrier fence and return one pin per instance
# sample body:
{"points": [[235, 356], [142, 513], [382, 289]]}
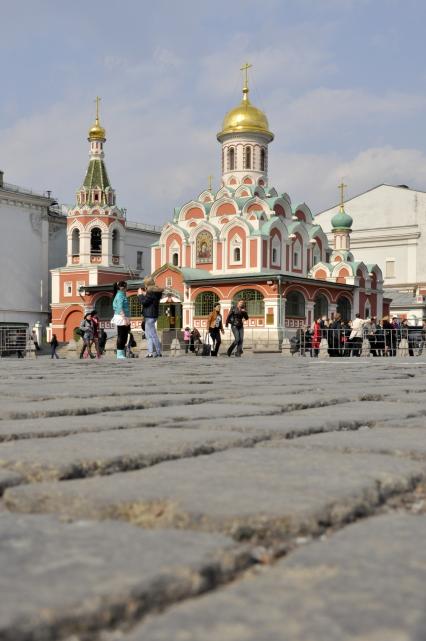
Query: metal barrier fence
{"points": [[15, 341], [405, 341], [331, 342]]}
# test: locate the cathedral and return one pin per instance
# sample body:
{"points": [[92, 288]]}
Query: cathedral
{"points": [[247, 240], [244, 241]]}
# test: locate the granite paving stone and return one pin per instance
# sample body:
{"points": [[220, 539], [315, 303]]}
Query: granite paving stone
{"points": [[409, 441], [82, 455], [260, 492], [365, 583], [56, 578], [8, 479]]}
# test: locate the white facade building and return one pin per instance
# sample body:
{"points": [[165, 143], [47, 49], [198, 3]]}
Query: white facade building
{"points": [[389, 228], [32, 242]]}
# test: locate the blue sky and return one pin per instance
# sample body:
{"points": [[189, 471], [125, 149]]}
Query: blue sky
{"points": [[343, 83]]}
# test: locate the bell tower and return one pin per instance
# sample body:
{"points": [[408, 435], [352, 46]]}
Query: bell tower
{"points": [[96, 226]]}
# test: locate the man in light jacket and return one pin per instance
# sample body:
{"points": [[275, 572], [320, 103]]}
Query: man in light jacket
{"points": [[356, 335]]}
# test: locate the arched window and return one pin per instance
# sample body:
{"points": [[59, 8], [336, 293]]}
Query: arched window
{"points": [[204, 303], [320, 306], [344, 308], [247, 158], [175, 259], [237, 254], [255, 304], [96, 241], [104, 308], [295, 305], [115, 243], [75, 242], [262, 159], [135, 307], [231, 159]]}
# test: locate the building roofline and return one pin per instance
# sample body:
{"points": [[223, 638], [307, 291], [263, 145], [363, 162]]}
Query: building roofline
{"points": [[348, 200]]}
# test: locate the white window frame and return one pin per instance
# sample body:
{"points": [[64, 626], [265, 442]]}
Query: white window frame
{"points": [[68, 285], [276, 247], [236, 243], [169, 281]]}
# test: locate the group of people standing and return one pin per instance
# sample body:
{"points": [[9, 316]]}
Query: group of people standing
{"points": [[92, 335], [149, 297], [345, 338]]}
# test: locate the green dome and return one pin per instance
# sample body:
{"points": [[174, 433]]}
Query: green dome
{"points": [[342, 220]]}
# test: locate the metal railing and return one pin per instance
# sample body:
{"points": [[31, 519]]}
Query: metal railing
{"points": [[404, 341], [15, 342]]}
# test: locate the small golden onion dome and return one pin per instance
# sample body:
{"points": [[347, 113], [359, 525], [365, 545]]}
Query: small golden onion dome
{"points": [[245, 118], [96, 132]]}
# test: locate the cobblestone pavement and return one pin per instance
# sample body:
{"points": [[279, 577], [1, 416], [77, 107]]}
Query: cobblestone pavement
{"points": [[195, 499]]}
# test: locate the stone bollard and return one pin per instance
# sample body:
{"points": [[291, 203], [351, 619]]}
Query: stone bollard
{"points": [[402, 350], [365, 351], [285, 347], [175, 347], [323, 353]]}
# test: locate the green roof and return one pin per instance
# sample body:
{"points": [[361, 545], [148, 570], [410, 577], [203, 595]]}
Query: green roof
{"points": [[96, 175]]}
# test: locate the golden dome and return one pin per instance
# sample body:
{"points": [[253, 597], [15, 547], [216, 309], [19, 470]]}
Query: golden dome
{"points": [[96, 132], [245, 118]]}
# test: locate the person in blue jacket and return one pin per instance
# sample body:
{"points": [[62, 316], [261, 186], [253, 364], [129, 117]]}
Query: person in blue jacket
{"points": [[149, 297], [121, 309]]}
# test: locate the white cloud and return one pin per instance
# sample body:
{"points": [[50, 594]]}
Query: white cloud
{"points": [[314, 178]]}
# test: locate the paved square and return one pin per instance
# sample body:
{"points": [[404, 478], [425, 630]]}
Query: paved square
{"points": [[129, 488]]}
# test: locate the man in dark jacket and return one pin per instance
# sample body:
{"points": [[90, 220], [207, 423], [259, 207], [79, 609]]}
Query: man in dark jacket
{"points": [[149, 297], [236, 318]]}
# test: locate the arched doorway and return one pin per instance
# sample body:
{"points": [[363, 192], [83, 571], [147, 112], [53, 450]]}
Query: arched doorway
{"points": [[73, 320], [320, 306], [344, 308]]}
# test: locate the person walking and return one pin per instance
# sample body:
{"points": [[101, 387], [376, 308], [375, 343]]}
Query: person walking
{"points": [[87, 327], [215, 326], [149, 297], [120, 319], [236, 318], [54, 346]]}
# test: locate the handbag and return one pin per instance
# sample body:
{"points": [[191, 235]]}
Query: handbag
{"points": [[120, 320]]}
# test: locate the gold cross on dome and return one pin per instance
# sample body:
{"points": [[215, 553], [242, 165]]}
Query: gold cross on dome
{"points": [[210, 182], [342, 187], [97, 100], [245, 69]]}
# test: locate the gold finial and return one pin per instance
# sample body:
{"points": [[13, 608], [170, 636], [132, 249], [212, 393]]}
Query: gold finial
{"points": [[210, 182], [97, 132], [245, 69], [342, 197]]}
